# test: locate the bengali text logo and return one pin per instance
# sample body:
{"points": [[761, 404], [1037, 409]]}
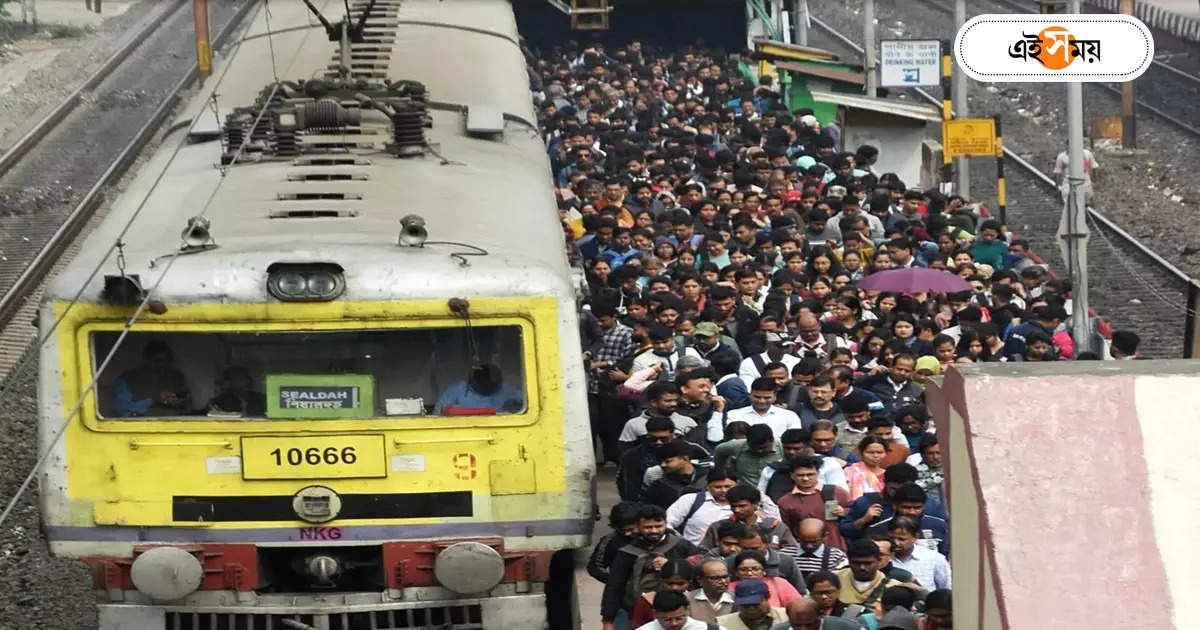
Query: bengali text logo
{"points": [[1059, 48]]}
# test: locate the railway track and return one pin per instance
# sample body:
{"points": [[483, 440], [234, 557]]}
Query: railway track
{"points": [[55, 177], [1126, 275], [1169, 93]]}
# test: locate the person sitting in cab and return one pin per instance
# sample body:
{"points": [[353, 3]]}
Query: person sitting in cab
{"points": [[155, 387], [485, 390], [236, 397]]}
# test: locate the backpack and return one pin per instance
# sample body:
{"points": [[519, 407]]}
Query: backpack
{"points": [[697, 503], [642, 580], [680, 352], [759, 364]]}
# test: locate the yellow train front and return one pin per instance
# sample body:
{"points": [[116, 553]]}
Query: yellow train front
{"points": [[328, 417]]}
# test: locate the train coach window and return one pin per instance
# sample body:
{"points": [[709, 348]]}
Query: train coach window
{"points": [[313, 374]]}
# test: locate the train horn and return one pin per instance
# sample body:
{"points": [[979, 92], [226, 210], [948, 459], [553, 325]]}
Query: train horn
{"points": [[412, 231]]}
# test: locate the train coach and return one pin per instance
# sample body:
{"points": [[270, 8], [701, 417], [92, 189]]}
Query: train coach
{"points": [[355, 400]]}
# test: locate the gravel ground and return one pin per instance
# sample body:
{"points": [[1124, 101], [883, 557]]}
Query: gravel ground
{"points": [[47, 184], [36, 589], [46, 87], [1125, 287], [1151, 194]]}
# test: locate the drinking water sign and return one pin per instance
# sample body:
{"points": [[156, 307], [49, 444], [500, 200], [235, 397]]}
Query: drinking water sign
{"points": [[910, 62]]}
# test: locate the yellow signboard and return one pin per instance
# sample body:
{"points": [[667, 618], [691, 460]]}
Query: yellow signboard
{"points": [[969, 136]]}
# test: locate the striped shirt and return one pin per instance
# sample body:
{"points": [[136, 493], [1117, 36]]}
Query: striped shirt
{"points": [[810, 563]]}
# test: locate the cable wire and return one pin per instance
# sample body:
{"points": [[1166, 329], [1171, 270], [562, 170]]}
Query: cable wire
{"points": [[57, 435], [19, 371]]}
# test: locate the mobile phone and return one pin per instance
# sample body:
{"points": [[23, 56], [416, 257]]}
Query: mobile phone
{"points": [[830, 510]]}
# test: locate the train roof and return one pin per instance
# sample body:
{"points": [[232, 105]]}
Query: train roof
{"points": [[488, 190]]}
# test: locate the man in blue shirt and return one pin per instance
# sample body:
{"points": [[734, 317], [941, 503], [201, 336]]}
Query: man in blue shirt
{"points": [[875, 507], [485, 389], [154, 388]]}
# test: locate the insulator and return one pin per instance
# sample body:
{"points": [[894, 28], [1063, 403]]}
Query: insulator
{"points": [[408, 128], [234, 132], [328, 113], [284, 134]]}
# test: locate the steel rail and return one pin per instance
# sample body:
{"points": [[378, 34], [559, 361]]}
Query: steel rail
{"points": [[1025, 165], [25, 144], [1174, 121], [37, 268]]}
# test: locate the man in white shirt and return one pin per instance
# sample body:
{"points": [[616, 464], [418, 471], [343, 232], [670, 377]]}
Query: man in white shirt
{"points": [[692, 513], [755, 366], [926, 565], [671, 613], [812, 342], [1062, 172], [663, 351], [762, 410], [662, 397]]}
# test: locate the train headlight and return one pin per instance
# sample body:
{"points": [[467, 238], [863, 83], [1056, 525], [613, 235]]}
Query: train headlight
{"points": [[291, 284], [166, 574], [305, 283], [322, 284], [469, 568]]}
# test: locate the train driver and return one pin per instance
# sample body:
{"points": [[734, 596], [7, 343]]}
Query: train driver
{"points": [[155, 387], [485, 389], [237, 397]]}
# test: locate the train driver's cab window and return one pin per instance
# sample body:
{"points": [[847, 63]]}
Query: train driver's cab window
{"points": [[451, 371]]}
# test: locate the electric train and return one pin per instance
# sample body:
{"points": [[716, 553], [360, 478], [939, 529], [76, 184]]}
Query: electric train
{"points": [[355, 399]]}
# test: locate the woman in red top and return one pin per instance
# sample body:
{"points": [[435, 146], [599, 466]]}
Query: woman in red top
{"points": [[753, 565], [867, 476]]}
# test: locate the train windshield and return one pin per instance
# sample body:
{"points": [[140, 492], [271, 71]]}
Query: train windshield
{"points": [[313, 374]]}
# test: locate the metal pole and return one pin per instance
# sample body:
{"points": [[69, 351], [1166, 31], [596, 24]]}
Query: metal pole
{"points": [[800, 17], [203, 48], [1001, 185], [947, 108], [1128, 97], [1077, 214], [1190, 338], [869, 46], [963, 178]]}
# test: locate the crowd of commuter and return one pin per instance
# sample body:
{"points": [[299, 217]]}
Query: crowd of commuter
{"points": [[776, 463]]}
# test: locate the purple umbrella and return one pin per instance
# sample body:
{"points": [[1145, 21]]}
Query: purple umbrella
{"points": [[914, 280]]}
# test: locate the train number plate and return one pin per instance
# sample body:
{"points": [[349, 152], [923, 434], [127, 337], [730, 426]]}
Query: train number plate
{"points": [[313, 457]]}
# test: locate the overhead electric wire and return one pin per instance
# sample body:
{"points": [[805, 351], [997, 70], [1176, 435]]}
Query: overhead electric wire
{"points": [[58, 433]]}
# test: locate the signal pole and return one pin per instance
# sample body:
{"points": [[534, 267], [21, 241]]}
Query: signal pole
{"points": [[869, 47], [1077, 214], [1128, 97], [203, 48], [963, 168]]}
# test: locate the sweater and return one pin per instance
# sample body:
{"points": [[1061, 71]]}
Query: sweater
{"points": [[796, 507], [849, 594]]}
